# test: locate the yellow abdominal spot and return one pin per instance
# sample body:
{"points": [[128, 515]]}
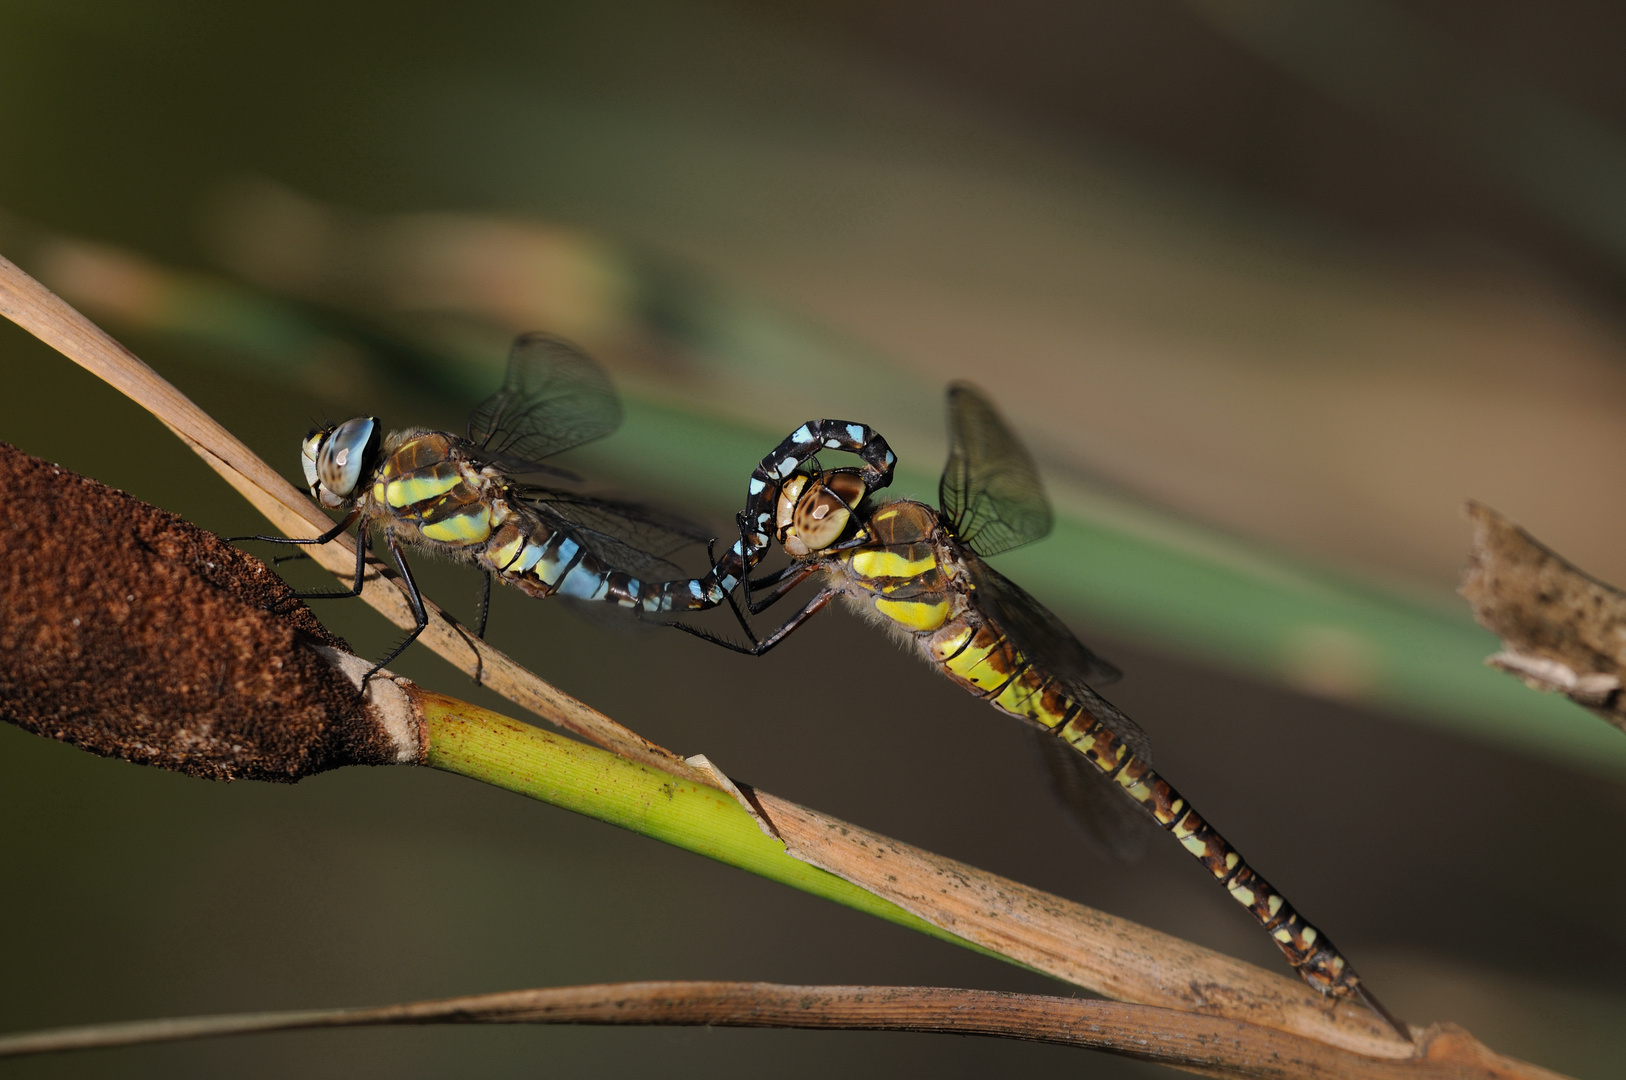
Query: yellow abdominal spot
{"points": [[1081, 732], [1194, 844], [951, 645], [1243, 896], [501, 557], [974, 670], [1022, 698], [889, 564], [913, 614], [1136, 788], [1042, 715], [1274, 904], [470, 528], [1081, 738], [416, 489], [969, 657]]}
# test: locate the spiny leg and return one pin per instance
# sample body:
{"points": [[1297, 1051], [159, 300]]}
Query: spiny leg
{"points": [[419, 613], [327, 537], [362, 544], [757, 648], [485, 607], [776, 585], [728, 594]]}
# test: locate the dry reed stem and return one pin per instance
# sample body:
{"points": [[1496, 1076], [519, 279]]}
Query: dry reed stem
{"points": [[1204, 1045]]}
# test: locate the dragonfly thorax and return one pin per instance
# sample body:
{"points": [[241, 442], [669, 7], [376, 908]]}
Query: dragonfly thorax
{"points": [[337, 459], [815, 511]]}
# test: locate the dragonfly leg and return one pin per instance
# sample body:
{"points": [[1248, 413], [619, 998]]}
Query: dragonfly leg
{"points": [[362, 543], [757, 648], [485, 608], [327, 537], [777, 584], [419, 613]]}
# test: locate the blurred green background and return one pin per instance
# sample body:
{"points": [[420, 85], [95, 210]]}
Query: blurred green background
{"points": [[1269, 288]]}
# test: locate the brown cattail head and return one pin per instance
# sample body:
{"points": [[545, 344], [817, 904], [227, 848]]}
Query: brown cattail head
{"points": [[132, 633]]}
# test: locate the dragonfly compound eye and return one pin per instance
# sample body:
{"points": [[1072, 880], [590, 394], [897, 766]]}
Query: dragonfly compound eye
{"points": [[342, 459], [825, 508]]}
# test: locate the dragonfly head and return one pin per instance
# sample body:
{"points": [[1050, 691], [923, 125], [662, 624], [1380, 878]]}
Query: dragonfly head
{"points": [[337, 458], [815, 510]]}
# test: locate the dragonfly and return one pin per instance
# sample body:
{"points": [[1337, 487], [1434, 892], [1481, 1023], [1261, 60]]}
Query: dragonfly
{"points": [[481, 499], [919, 571]]}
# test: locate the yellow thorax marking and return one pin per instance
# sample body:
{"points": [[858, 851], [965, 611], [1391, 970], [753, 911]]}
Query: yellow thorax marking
{"points": [[415, 489], [914, 614], [889, 564], [466, 528]]}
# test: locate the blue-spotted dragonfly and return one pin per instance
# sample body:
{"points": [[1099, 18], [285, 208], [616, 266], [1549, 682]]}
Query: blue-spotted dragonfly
{"points": [[475, 499], [919, 571]]}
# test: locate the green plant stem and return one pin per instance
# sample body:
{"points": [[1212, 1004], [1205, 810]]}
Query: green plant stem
{"points": [[495, 749]]}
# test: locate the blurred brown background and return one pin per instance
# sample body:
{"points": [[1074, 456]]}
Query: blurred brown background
{"points": [[1271, 286]]}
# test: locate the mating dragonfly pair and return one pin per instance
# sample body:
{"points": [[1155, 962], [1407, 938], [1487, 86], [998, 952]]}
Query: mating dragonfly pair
{"points": [[916, 569]]}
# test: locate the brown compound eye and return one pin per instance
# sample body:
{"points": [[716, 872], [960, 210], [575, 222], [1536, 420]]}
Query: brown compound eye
{"points": [[825, 508]]}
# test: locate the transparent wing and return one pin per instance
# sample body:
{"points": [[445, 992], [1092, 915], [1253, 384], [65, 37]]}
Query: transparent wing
{"points": [[1051, 647], [623, 535], [553, 398], [1114, 825], [990, 487]]}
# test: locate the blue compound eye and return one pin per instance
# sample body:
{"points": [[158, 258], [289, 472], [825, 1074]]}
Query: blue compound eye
{"points": [[343, 457]]}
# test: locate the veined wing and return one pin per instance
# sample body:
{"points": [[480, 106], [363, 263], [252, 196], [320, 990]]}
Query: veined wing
{"points": [[1115, 826], [990, 487], [1052, 648], [553, 398], [1110, 819], [628, 536]]}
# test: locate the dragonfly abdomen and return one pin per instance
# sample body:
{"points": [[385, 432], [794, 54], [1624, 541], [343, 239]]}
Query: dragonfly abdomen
{"points": [[426, 485], [986, 663]]}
